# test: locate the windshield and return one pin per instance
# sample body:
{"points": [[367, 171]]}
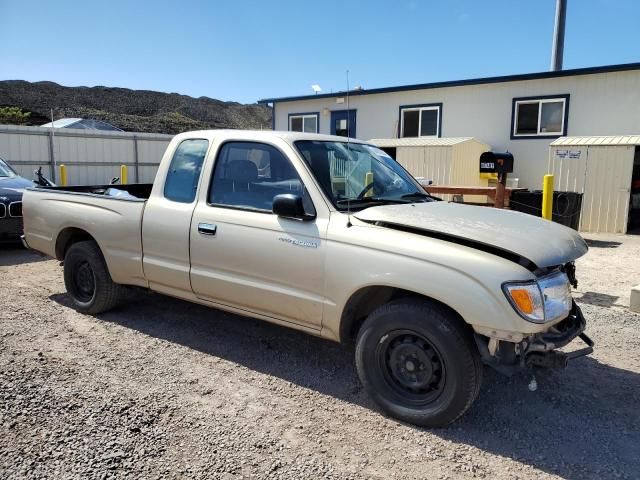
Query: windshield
{"points": [[355, 176], [5, 170]]}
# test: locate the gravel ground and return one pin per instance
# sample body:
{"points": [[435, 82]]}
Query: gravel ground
{"points": [[165, 389]]}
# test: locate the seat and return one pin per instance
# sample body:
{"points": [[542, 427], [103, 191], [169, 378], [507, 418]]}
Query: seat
{"points": [[236, 189]]}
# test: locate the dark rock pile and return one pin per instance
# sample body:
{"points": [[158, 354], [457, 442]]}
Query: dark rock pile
{"points": [[131, 110]]}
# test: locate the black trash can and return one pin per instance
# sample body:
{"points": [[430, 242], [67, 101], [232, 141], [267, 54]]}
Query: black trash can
{"points": [[566, 205]]}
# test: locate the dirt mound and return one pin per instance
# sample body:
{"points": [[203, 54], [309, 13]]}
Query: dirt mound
{"points": [[131, 110]]}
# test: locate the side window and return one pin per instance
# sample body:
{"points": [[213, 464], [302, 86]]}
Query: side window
{"points": [[539, 117], [420, 120], [304, 122], [182, 178], [249, 174]]}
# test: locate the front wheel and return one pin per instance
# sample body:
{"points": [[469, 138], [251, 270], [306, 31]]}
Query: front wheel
{"points": [[418, 362], [88, 281]]}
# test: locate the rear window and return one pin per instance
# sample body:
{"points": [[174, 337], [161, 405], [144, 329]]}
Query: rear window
{"points": [[184, 172]]}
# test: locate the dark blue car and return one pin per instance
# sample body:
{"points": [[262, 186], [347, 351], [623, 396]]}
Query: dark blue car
{"points": [[11, 187]]}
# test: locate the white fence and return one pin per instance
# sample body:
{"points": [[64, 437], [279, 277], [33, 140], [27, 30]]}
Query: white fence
{"points": [[91, 157]]}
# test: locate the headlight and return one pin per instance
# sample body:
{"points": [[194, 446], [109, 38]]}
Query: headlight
{"points": [[541, 301]]}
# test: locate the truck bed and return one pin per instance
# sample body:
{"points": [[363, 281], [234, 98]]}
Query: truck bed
{"points": [[115, 223]]}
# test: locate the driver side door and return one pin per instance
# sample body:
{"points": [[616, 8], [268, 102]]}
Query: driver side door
{"points": [[244, 256]]}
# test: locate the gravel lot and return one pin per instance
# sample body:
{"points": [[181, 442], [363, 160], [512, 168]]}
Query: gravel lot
{"points": [[164, 388]]}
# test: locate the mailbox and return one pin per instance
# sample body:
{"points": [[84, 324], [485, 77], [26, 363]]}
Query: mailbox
{"points": [[495, 162]]}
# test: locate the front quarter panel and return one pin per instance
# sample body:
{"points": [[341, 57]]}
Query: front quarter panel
{"points": [[467, 280]]}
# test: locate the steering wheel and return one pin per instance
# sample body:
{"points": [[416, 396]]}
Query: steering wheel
{"points": [[365, 190]]}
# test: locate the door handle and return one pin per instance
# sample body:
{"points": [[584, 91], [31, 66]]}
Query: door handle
{"points": [[207, 228]]}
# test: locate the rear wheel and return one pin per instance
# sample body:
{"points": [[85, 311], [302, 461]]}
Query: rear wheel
{"points": [[418, 362], [88, 281]]}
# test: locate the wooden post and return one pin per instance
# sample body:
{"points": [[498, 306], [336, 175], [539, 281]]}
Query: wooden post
{"points": [[500, 188]]}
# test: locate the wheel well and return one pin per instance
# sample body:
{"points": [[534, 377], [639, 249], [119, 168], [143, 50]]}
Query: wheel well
{"points": [[68, 237], [366, 300]]}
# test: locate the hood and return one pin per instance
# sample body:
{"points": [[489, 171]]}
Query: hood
{"points": [[514, 235], [12, 187]]}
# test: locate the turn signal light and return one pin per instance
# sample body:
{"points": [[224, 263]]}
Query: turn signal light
{"points": [[526, 298], [522, 300]]}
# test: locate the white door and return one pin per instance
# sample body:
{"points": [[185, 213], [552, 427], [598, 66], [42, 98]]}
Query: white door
{"points": [[605, 205]]}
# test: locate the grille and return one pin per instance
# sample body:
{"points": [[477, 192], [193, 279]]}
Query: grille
{"points": [[15, 209], [3, 210]]}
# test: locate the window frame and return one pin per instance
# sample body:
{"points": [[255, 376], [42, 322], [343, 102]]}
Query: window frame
{"points": [[249, 209], [420, 108], [540, 99], [204, 160], [304, 115]]}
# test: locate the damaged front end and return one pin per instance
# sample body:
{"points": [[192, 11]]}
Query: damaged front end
{"points": [[539, 350]]}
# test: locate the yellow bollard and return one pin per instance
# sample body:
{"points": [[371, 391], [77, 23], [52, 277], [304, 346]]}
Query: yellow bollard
{"points": [[63, 175], [123, 174], [368, 180], [547, 197]]}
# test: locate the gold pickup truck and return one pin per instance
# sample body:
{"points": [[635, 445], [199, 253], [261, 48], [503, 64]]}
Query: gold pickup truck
{"points": [[333, 237]]}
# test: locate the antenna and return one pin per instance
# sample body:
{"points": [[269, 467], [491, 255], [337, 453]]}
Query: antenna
{"points": [[316, 88], [347, 170]]}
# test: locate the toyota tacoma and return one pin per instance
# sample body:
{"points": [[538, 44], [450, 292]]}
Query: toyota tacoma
{"points": [[333, 237]]}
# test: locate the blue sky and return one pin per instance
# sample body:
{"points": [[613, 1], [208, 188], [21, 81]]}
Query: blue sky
{"points": [[246, 50]]}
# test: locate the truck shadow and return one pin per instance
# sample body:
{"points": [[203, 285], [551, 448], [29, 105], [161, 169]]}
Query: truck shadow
{"points": [[14, 254], [574, 420]]}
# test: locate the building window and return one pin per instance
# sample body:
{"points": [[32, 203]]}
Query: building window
{"points": [[540, 116], [420, 120], [304, 122]]}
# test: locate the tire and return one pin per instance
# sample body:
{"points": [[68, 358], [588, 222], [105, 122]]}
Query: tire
{"points": [[418, 362], [88, 281]]}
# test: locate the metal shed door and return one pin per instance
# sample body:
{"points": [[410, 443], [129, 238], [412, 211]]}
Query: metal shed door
{"points": [[605, 205]]}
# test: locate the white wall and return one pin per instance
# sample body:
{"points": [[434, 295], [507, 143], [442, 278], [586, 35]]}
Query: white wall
{"points": [[600, 104], [91, 157]]}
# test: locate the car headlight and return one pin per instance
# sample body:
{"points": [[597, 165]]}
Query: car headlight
{"points": [[543, 300]]}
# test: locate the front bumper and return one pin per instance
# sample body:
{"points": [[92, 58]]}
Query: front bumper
{"points": [[541, 349], [10, 229]]}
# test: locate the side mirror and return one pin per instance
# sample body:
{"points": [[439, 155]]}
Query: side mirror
{"points": [[287, 205]]}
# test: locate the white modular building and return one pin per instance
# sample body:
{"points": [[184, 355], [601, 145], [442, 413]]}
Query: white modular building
{"points": [[521, 114]]}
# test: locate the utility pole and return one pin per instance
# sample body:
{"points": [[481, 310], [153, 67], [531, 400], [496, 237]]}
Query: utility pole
{"points": [[557, 50]]}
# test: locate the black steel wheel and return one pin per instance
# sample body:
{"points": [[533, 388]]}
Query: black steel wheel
{"points": [[412, 366], [88, 281], [83, 282], [417, 360]]}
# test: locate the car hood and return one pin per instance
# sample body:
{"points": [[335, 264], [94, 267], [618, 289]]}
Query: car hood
{"points": [[513, 235], [13, 186]]}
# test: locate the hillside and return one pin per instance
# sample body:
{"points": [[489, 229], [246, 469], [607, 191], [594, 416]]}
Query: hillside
{"points": [[130, 110]]}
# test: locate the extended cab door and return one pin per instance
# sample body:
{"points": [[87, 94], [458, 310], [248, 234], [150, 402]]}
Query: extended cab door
{"points": [[167, 218], [244, 256]]}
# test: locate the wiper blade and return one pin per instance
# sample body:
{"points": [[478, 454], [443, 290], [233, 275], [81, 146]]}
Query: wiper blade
{"points": [[418, 195], [345, 201]]}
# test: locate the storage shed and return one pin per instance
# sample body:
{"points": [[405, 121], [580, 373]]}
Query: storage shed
{"points": [[606, 170], [445, 161]]}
